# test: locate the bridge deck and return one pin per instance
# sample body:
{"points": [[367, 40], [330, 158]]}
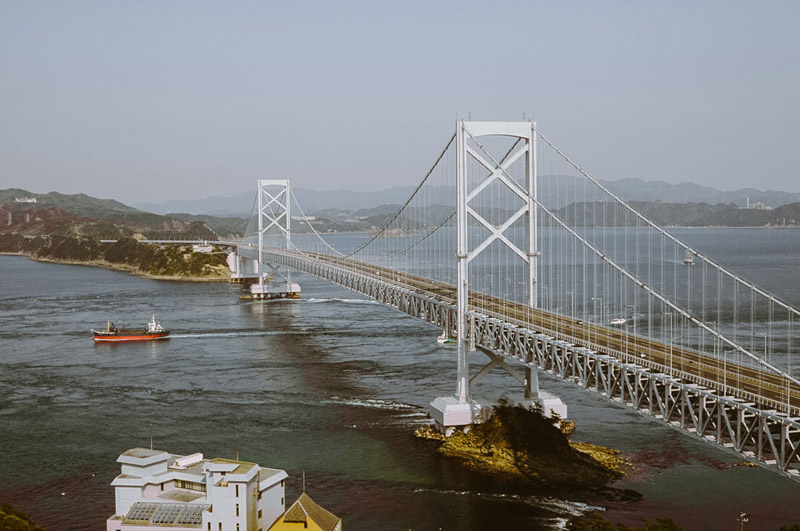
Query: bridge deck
{"points": [[727, 377], [736, 406]]}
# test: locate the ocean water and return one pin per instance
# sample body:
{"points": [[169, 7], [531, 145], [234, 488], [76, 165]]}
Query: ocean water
{"points": [[332, 385]]}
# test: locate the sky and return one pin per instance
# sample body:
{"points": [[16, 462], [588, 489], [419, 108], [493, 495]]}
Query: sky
{"points": [[144, 100]]}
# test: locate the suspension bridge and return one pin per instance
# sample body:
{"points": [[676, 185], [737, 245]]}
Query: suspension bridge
{"points": [[517, 253]]}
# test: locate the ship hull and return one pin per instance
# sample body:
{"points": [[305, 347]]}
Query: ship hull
{"points": [[130, 336]]}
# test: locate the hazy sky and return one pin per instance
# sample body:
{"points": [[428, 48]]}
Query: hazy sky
{"points": [[149, 100]]}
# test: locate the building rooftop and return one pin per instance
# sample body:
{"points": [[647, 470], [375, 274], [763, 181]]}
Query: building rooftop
{"points": [[143, 457], [241, 467], [195, 469], [267, 473], [305, 509], [165, 514], [181, 496], [142, 453]]}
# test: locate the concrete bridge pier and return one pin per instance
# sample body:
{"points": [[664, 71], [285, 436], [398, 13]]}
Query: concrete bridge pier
{"points": [[550, 404], [243, 269], [452, 412]]}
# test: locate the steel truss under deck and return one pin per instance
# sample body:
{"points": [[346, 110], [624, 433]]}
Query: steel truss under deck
{"points": [[762, 435]]}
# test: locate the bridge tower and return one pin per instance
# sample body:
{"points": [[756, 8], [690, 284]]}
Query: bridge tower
{"points": [[274, 212], [462, 409]]}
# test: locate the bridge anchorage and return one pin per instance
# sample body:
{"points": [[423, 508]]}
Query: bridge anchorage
{"points": [[527, 259]]}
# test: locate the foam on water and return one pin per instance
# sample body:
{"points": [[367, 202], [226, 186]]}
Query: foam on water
{"points": [[372, 403], [243, 333], [341, 300]]}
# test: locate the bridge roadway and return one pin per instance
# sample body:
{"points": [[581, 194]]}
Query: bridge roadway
{"points": [[726, 377], [735, 406]]}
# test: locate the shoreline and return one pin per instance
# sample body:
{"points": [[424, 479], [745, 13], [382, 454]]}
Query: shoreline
{"points": [[122, 268]]}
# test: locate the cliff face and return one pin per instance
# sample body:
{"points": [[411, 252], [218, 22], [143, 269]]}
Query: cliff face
{"points": [[523, 446]]}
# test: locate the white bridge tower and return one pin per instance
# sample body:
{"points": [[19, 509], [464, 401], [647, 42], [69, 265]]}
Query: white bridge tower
{"points": [[461, 409], [274, 212]]}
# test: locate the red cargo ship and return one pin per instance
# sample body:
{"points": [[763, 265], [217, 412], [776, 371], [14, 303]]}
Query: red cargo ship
{"points": [[154, 330]]}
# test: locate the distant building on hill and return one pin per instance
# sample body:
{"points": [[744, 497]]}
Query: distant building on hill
{"points": [[758, 205], [202, 248], [157, 491], [25, 200], [306, 511]]}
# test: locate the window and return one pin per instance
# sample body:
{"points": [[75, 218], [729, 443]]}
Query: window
{"points": [[237, 509], [220, 526], [237, 526], [209, 526], [259, 513], [237, 491], [190, 485], [282, 483], [162, 486], [259, 495], [281, 501]]}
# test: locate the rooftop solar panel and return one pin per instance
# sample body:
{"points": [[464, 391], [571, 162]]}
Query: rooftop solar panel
{"points": [[142, 511], [167, 513], [192, 515]]}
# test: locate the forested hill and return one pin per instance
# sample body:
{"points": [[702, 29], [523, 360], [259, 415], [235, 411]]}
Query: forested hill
{"points": [[680, 215], [85, 216]]}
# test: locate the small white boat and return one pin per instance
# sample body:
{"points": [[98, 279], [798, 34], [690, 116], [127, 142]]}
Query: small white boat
{"points": [[442, 339], [618, 321]]}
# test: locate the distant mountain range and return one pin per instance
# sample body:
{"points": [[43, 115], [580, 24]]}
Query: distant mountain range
{"points": [[80, 215], [240, 205], [102, 218], [554, 190]]}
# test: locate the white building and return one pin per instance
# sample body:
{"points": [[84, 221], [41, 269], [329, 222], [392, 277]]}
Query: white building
{"points": [[758, 205], [158, 491]]}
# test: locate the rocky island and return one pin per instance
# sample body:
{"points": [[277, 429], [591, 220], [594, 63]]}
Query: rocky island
{"points": [[522, 447]]}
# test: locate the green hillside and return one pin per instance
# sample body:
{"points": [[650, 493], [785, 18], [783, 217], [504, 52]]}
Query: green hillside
{"points": [[85, 216], [606, 214], [13, 520]]}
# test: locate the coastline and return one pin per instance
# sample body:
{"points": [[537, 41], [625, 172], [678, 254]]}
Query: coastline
{"points": [[126, 269]]}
